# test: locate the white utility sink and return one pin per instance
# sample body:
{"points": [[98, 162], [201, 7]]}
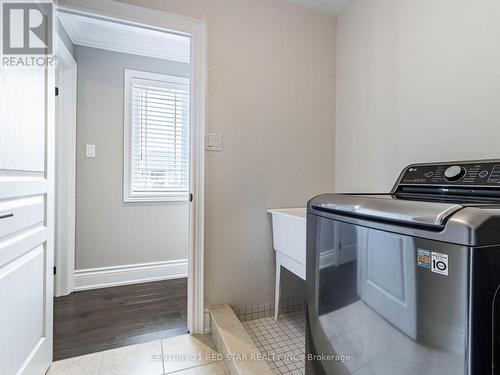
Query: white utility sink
{"points": [[289, 241]]}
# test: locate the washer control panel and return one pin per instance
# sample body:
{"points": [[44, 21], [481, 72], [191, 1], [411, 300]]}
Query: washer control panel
{"points": [[467, 174]]}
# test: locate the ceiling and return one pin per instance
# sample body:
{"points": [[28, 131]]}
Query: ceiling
{"points": [[119, 37], [325, 6]]}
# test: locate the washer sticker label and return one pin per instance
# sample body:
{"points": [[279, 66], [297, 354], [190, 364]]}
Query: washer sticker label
{"points": [[424, 258], [440, 263]]}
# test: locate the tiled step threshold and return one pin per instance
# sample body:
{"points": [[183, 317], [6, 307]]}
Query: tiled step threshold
{"points": [[240, 354]]}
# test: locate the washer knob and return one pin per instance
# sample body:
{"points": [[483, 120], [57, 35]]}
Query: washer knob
{"points": [[454, 173]]}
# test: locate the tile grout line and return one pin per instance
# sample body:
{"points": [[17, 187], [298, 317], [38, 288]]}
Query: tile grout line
{"points": [[191, 367], [100, 363], [162, 357]]}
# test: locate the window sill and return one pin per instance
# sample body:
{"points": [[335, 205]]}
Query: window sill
{"points": [[157, 199]]}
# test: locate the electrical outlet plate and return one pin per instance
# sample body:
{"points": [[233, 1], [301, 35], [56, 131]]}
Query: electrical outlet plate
{"points": [[213, 142], [90, 151]]}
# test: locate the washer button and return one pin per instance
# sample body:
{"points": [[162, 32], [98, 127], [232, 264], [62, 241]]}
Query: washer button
{"points": [[429, 174], [483, 174]]}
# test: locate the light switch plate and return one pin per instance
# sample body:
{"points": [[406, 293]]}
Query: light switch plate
{"points": [[213, 142], [90, 151]]}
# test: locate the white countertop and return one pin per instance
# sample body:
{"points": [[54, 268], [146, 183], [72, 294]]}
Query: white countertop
{"points": [[297, 212]]}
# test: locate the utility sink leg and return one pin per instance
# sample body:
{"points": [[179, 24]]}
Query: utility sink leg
{"points": [[277, 291]]}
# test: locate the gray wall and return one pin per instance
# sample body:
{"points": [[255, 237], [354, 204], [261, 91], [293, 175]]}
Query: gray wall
{"points": [[417, 81], [271, 93], [108, 232]]}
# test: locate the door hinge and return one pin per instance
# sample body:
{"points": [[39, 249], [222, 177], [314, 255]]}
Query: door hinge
{"points": [[55, 270], [191, 197], [56, 91]]}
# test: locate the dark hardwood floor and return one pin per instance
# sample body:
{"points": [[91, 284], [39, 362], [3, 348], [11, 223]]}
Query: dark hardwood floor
{"points": [[94, 320]]}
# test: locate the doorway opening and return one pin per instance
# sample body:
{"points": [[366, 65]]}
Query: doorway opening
{"points": [[129, 222]]}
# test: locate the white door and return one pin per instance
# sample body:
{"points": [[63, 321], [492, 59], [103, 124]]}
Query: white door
{"points": [[26, 219], [387, 273], [346, 246]]}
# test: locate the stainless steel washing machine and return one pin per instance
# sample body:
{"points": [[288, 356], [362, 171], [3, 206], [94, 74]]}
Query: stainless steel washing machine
{"points": [[406, 283]]}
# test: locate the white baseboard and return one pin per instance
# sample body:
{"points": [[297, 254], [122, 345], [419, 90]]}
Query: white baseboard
{"points": [[207, 322], [95, 278], [327, 258]]}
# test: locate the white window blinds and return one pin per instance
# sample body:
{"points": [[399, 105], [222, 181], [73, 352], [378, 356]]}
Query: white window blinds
{"points": [[158, 138]]}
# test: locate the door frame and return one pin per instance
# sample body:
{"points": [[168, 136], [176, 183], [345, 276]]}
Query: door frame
{"points": [[196, 29], [65, 184]]}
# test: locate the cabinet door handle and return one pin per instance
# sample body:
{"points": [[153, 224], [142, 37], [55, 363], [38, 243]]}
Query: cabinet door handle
{"points": [[6, 216]]}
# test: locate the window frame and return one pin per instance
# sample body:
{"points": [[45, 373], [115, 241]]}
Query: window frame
{"points": [[128, 195]]}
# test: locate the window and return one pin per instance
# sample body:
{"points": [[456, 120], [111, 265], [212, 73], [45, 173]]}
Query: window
{"points": [[157, 138]]}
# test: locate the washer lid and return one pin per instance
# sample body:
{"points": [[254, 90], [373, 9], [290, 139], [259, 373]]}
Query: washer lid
{"points": [[387, 207]]}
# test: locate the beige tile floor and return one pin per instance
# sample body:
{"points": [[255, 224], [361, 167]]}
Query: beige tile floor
{"points": [[182, 355]]}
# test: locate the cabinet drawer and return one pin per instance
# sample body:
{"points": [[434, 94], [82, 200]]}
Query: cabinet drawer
{"points": [[19, 214]]}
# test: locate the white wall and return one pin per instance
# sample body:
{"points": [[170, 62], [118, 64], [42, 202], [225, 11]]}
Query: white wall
{"points": [[271, 93], [61, 31], [417, 81], [109, 232]]}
